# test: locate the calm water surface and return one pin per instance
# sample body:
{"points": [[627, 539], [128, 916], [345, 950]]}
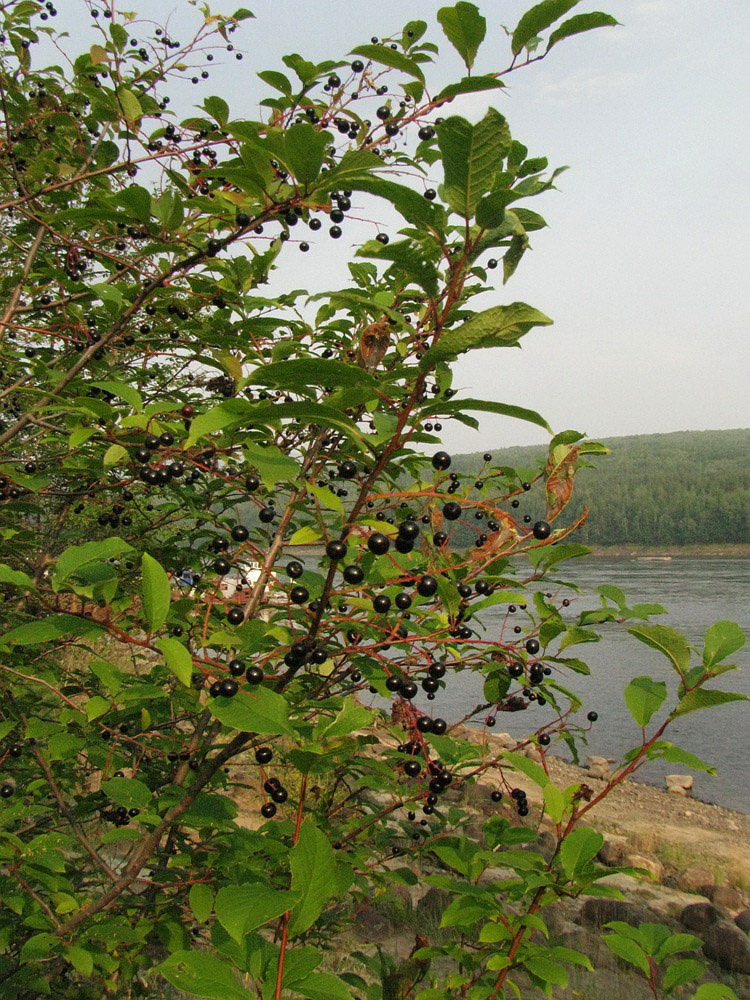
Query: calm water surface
{"points": [[696, 593]]}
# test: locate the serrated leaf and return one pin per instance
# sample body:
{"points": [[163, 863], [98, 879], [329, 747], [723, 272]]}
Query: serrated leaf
{"points": [[579, 23], [288, 375], [96, 707], [464, 28], [201, 975], [177, 658], [276, 80], [201, 900], [263, 712], [487, 406], [554, 802], [537, 19], [528, 767], [701, 698], [578, 849], [81, 960], [115, 455], [470, 85], [98, 55], [51, 628], [242, 908], [500, 326], [721, 640], [305, 536], [628, 950], [15, 577], [390, 57], [644, 696], [272, 464], [128, 792], [157, 592], [547, 970], [314, 876], [667, 641], [218, 108], [75, 557], [472, 157], [131, 106], [326, 497]]}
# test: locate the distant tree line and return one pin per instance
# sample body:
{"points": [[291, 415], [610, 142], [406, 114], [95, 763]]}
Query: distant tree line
{"points": [[684, 488]]}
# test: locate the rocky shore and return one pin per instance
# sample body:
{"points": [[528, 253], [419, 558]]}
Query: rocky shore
{"points": [[694, 876]]}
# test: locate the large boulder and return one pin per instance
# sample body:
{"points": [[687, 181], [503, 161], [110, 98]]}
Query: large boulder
{"points": [[723, 895], [596, 912], [613, 850], [699, 916], [728, 946], [743, 921]]}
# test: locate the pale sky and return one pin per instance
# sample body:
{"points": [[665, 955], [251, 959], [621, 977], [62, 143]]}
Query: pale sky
{"points": [[644, 266]]}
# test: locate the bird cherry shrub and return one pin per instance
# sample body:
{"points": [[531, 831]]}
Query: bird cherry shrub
{"points": [[170, 416]]}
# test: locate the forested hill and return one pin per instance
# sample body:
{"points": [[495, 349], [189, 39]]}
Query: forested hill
{"points": [[684, 488]]}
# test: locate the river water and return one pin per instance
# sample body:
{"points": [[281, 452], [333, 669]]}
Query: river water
{"points": [[696, 593]]}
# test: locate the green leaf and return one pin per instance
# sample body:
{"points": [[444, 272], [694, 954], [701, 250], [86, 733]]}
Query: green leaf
{"points": [[472, 157], [263, 712], [126, 392], [15, 577], [289, 375], [722, 639], [218, 108], [628, 950], [700, 698], [676, 943], [676, 755], [202, 975], [579, 849], [554, 802], [201, 900], [528, 767], [131, 106], [177, 658], [81, 960], [157, 592], [96, 707], [77, 556], [304, 150], [537, 19], [276, 80], [314, 876], [305, 535], [547, 970], [464, 28], [390, 57], [115, 455], [242, 908], [326, 497], [684, 970], [644, 696], [51, 628], [667, 641], [500, 326], [352, 716], [322, 986], [581, 22], [714, 991], [272, 464], [469, 85], [407, 202], [128, 792], [487, 406]]}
